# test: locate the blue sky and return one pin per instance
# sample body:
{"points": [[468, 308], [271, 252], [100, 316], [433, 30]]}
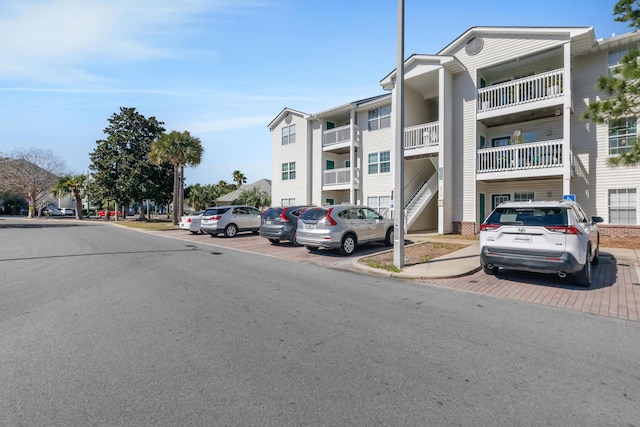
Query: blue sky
{"points": [[221, 69]]}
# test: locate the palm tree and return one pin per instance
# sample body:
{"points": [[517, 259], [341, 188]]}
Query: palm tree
{"points": [[74, 185], [255, 197], [239, 178], [180, 149]]}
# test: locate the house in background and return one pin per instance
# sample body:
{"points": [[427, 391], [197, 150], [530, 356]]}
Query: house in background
{"points": [[232, 197], [494, 116]]}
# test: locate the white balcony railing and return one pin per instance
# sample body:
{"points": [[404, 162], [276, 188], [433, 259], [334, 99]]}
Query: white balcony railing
{"points": [[533, 155], [339, 176], [521, 91], [421, 136], [336, 136]]}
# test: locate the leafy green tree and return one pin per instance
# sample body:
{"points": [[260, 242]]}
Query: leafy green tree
{"points": [[122, 172], [180, 149], [74, 185], [239, 178], [254, 197], [30, 173], [622, 87]]}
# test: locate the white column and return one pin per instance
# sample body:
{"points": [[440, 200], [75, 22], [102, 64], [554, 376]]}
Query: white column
{"points": [[352, 157], [566, 121], [398, 144]]}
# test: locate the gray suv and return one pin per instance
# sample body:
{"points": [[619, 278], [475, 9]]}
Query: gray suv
{"points": [[230, 220], [342, 227], [544, 237]]}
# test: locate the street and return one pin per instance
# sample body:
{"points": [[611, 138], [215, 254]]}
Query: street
{"points": [[102, 325]]}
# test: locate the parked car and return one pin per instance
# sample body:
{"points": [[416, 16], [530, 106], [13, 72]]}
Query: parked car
{"points": [[191, 222], [543, 237], [102, 212], [281, 223], [68, 211], [230, 220], [51, 211], [342, 227]]}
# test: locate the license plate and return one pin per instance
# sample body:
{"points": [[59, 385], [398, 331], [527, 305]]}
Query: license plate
{"points": [[268, 222], [522, 238], [309, 226]]}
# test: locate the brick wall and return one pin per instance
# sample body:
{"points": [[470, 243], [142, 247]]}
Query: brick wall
{"points": [[614, 230], [466, 228]]}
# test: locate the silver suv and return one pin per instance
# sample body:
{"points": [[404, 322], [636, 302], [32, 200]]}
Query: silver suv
{"points": [[342, 227], [230, 220], [544, 237]]}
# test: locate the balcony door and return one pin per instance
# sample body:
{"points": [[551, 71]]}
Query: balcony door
{"points": [[496, 199]]}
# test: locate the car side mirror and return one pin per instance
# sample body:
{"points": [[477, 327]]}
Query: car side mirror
{"points": [[597, 219]]}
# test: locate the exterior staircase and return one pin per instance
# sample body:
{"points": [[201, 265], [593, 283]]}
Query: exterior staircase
{"points": [[420, 199]]}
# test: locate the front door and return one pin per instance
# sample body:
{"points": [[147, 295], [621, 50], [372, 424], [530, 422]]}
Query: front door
{"points": [[496, 199]]}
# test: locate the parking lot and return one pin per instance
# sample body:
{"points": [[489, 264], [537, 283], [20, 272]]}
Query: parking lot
{"points": [[615, 292]]}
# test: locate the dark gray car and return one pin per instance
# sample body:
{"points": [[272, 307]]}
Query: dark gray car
{"points": [[281, 223]]}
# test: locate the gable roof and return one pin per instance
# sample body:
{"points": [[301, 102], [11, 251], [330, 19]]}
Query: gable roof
{"points": [[282, 115], [230, 198]]}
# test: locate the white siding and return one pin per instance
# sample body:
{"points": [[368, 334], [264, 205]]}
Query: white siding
{"points": [[295, 152]]}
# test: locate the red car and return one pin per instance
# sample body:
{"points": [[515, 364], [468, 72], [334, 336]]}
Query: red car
{"points": [[101, 213]]}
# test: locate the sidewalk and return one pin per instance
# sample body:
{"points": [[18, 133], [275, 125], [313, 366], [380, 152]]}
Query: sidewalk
{"points": [[467, 260]]}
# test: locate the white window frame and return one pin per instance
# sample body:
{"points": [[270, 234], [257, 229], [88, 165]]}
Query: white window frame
{"points": [[524, 196], [623, 200], [288, 171], [379, 203], [379, 118], [376, 164], [290, 201], [289, 134], [621, 137]]}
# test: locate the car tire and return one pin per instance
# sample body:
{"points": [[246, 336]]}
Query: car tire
{"points": [[388, 240], [213, 234], [311, 248], [274, 241], [195, 232], [596, 256], [491, 271], [583, 277], [230, 230], [348, 245]]}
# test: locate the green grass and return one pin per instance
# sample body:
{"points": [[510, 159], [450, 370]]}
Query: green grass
{"points": [[377, 264], [153, 224]]}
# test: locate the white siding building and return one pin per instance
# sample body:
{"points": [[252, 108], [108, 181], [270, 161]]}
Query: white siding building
{"points": [[494, 116]]}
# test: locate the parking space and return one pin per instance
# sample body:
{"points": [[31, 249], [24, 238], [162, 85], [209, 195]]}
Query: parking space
{"points": [[615, 292]]}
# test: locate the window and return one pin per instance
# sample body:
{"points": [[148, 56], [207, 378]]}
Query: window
{"points": [[622, 206], [622, 132], [379, 203], [330, 164], [288, 134], [523, 197], [288, 171], [380, 118], [288, 201], [380, 162], [615, 59]]}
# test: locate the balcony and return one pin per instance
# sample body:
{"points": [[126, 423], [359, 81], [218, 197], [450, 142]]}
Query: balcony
{"points": [[338, 139], [339, 179], [422, 139], [529, 159], [545, 89]]}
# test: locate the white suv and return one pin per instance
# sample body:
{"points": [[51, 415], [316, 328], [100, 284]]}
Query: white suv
{"points": [[543, 237]]}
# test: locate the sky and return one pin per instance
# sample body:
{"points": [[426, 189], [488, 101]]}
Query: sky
{"points": [[222, 69]]}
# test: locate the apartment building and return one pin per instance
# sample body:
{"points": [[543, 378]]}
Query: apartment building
{"points": [[494, 116]]}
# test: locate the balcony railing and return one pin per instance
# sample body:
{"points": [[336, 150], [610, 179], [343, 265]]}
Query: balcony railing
{"points": [[521, 91], [533, 155], [421, 136], [339, 176], [336, 136]]}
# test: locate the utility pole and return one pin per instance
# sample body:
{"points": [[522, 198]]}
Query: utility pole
{"points": [[398, 162]]}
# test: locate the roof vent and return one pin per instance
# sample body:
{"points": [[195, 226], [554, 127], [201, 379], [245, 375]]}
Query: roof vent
{"points": [[474, 46]]}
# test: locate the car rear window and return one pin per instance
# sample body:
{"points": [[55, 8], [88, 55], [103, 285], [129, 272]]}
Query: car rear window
{"points": [[314, 214], [538, 216], [215, 211], [272, 213]]}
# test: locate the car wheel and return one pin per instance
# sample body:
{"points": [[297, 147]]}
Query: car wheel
{"points": [[388, 240], [583, 277], [212, 234], [492, 271], [293, 240], [596, 256], [195, 232], [311, 248], [274, 241], [230, 230], [348, 245]]}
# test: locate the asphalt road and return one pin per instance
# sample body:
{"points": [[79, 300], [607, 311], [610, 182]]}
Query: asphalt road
{"points": [[101, 325]]}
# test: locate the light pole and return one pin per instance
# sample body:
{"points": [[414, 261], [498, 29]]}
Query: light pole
{"points": [[398, 162]]}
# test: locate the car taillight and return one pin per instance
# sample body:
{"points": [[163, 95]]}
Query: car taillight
{"points": [[215, 217], [563, 229], [489, 227], [283, 217], [328, 218], [189, 219]]}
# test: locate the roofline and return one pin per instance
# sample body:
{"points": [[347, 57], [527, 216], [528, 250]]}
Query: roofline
{"points": [[282, 114]]}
